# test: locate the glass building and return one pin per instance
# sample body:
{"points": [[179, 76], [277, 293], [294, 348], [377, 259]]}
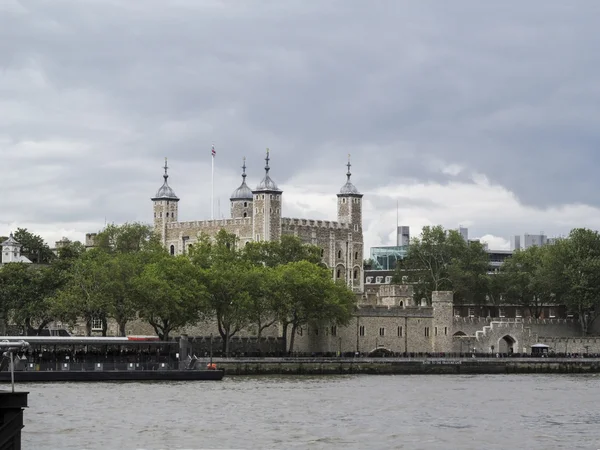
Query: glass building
{"points": [[385, 258]]}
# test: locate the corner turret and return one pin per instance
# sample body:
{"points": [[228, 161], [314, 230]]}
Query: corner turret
{"points": [[165, 207], [267, 208], [241, 198]]}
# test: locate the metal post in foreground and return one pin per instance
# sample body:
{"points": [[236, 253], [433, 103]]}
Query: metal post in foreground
{"points": [[12, 370]]}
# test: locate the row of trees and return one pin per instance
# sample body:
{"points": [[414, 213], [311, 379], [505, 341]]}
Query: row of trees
{"points": [[564, 273], [129, 276]]}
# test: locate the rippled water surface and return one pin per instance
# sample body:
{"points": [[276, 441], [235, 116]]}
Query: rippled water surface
{"points": [[367, 412]]}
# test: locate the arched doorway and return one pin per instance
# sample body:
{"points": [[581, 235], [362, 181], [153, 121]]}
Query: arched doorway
{"points": [[507, 344]]}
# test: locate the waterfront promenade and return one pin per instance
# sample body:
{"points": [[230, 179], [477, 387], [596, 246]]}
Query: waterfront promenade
{"points": [[406, 365]]}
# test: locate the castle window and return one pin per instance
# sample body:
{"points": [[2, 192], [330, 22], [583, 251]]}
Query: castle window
{"points": [[502, 313], [172, 250], [382, 332], [334, 330], [322, 253], [258, 237], [245, 204], [361, 330], [271, 196], [445, 331], [356, 227], [245, 214], [426, 331], [271, 210], [355, 255], [167, 214], [339, 253], [263, 196], [339, 273], [471, 312], [96, 324], [155, 215], [435, 331], [518, 313], [355, 274], [388, 280], [343, 200], [399, 331], [379, 280], [160, 214]]}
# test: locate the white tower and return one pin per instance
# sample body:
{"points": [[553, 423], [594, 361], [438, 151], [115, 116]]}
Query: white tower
{"points": [[11, 251]]}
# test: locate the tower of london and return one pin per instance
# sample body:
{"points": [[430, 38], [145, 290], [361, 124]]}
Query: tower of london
{"points": [[256, 216]]}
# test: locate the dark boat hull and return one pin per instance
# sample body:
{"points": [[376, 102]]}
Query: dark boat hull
{"points": [[115, 375]]}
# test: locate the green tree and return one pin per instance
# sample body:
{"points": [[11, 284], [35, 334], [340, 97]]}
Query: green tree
{"points": [[33, 247], [308, 293], [525, 283], [468, 274], [171, 295], [263, 304], [573, 272], [428, 260], [129, 237], [287, 249], [84, 294], [227, 277], [25, 293]]}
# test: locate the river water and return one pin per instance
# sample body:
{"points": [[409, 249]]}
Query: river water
{"points": [[366, 412]]}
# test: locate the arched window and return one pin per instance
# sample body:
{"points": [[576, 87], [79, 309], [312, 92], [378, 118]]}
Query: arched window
{"points": [[245, 214], [322, 253], [339, 253], [172, 249], [355, 255], [355, 274], [167, 214], [339, 273], [245, 204]]}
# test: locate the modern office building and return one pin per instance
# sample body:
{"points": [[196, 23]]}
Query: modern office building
{"points": [[402, 236]]}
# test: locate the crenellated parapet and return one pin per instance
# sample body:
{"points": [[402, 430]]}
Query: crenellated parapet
{"points": [[210, 223], [287, 221]]}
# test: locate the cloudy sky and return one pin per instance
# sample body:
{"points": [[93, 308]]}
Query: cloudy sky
{"points": [[469, 112]]}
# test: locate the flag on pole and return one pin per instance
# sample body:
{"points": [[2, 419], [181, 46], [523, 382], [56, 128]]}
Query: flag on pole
{"points": [[213, 151]]}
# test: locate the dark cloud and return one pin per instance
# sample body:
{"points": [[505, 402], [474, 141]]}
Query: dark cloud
{"points": [[94, 94]]}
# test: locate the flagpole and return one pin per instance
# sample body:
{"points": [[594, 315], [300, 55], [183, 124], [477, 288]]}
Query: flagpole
{"points": [[212, 183]]}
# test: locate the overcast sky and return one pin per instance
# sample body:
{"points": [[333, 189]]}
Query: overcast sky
{"points": [[465, 112]]}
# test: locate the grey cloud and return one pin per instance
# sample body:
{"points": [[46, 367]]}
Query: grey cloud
{"points": [[503, 88]]}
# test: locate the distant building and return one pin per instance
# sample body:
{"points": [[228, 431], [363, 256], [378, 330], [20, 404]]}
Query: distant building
{"points": [[534, 240], [11, 251], [402, 236], [464, 232], [515, 243]]}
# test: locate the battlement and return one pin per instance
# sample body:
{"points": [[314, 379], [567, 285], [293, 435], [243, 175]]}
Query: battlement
{"points": [[287, 221], [394, 311], [210, 223], [526, 321]]}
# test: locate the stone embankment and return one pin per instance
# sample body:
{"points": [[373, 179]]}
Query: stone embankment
{"points": [[405, 366]]}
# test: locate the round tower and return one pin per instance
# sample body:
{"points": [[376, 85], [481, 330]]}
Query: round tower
{"points": [[241, 199], [349, 253], [165, 207], [266, 225]]}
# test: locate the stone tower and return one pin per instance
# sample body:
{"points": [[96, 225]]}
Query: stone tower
{"points": [[11, 251], [443, 318], [266, 225], [165, 208], [349, 254], [241, 199]]}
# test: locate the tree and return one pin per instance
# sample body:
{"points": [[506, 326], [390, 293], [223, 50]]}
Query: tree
{"points": [[572, 269], [84, 294], [428, 261], [263, 302], [33, 247], [126, 238], [468, 274], [25, 293], [525, 283], [171, 294], [307, 292], [227, 277], [287, 249]]}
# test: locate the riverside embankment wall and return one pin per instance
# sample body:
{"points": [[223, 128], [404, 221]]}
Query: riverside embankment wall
{"points": [[408, 366]]}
